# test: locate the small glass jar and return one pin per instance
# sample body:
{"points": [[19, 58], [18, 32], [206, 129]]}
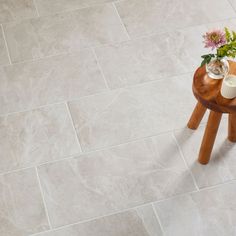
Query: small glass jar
{"points": [[217, 68]]}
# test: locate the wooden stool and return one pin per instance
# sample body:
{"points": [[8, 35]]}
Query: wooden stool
{"points": [[207, 92]]}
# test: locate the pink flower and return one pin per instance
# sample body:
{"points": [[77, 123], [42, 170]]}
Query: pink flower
{"points": [[214, 39]]}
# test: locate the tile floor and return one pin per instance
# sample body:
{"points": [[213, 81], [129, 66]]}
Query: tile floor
{"points": [[94, 100]]}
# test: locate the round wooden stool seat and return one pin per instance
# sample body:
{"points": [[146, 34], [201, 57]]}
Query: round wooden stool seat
{"points": [[207, 92]]}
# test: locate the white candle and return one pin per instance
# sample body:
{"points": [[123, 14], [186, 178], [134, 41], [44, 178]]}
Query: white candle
{"points": [[228, 88]]}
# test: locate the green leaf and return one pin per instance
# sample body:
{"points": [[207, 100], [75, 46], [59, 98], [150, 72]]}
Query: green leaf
{"points": [[207, 58], [208, 55], [203, 62], [227, 35], [234, 35]]}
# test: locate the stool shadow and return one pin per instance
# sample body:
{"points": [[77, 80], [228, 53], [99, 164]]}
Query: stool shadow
{"points": [[223, 150]]}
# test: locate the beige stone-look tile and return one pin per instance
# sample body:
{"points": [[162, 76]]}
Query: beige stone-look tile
{"points": [[152, 58], [3, 51], [124, 115], [37, 136], [210, 212], [222, 166], [21, 207], [16, 9], [46, 7], [145, 17], [129, 223], [231, 24], [115, 179], [233, 3], [55, 79], [63, 33], [149, 219]]}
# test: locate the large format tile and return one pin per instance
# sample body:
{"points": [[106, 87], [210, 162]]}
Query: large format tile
{"points": [[15, 10], [127, 114], [108, 181], [210, 212], [3, 51], [149, 220], [56, 79], [233, 3], [139, 222], [36, 136], [65, 32], [46, 7], [21, 207], [152, 16], [152, 58], [222, 166]]}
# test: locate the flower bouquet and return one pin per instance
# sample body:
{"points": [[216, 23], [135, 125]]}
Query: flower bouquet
{"points": [[225, 44]]}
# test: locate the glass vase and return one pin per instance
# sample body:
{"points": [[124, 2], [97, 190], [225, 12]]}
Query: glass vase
{"points": [[217, 68]]}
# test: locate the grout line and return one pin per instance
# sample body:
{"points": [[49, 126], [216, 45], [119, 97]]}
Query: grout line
{"points": [[7, 49], [92, 219], [115, 213], [231, 5], [195, 191], [122, 23], [112, 146], [16, 170], [217, 185], [36, 8], [41, 164], [114, 43], [111, 214], [118, 43], [77, 155], [73, 125], [44, 202], [182, 155], [32, 60], [100, 68], [160, 33], [31, 109], [95, 94], [158, 218], [74, 9]]}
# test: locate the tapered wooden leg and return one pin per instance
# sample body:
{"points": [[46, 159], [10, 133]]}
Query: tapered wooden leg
{"points": [[196, 116], [209, 137], [232, 128]]}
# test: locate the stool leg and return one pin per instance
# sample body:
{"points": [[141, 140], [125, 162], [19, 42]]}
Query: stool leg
{"points": [[209, 137], [232, 128], [196, 116]]}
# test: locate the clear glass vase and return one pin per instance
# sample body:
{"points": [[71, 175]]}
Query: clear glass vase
{"points": [[217, 69]]}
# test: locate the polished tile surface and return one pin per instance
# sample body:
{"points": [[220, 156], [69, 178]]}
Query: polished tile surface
{"points": [[55, 79], [138, 222], [211, 212], [37, 136], [107, 181], [223, 163], [46, 7], [64, 32], [11, 10], [95, 96], [137, 112], [156, 57], [3, 51], [22, 209], [146, 17]]}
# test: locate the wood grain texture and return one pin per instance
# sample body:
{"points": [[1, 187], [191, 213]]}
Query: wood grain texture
{"points": [[232, 128], [196, 116], [209, 137], [207, 91]]}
